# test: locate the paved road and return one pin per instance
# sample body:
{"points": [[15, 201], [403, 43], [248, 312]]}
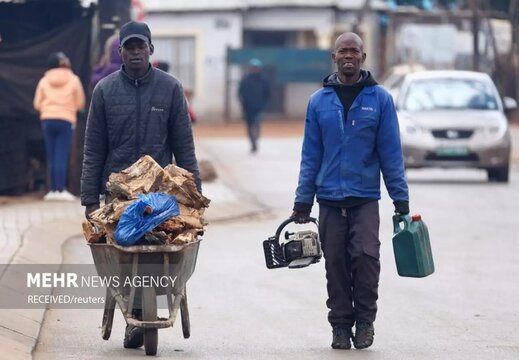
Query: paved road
{"points": [[239, 310]]}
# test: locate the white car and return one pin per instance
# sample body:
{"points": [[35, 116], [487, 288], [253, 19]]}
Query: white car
{"points": [[393, 78], [454, 119]]}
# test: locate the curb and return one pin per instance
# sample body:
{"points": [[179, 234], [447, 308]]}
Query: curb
{"points": [[41, 244], [232, 205]]}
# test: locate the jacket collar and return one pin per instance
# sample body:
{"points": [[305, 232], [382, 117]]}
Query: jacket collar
{"points": [[366, 90], [335, 99], [146, 78]]}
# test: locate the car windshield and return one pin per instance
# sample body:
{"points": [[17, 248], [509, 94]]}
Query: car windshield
{"points": [[449, 94]]}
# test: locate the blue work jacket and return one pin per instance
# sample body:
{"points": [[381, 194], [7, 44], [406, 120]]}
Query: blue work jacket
{"points": [[344, 154]]}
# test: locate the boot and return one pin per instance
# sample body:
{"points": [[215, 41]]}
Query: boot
{"points": [[341, 338], [364, 334], [133, 335]]}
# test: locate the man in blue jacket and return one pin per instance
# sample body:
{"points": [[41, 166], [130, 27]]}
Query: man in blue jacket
{"points": [[351, 136]]}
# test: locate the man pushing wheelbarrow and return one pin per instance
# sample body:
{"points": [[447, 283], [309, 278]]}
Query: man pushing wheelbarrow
{"points": [[127, 119]]}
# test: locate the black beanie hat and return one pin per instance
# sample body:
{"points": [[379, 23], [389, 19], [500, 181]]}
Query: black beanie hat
{"points": [[53, 60]]}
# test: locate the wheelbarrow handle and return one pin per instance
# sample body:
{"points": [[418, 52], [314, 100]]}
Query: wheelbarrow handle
{"points": [[288, 221]]}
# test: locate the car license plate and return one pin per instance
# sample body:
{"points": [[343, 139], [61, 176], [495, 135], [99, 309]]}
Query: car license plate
{"points": [[452, 151]]}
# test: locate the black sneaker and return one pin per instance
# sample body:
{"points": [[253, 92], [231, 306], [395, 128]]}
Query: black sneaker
{"points": [[341, 338], [133, 335], [364, 334]]}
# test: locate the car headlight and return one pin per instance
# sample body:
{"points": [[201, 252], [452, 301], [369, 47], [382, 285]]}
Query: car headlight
{"points": [[412, 130], [495, 131]]}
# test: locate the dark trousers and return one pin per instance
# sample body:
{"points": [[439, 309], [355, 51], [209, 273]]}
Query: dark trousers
{"points": [[58, 137], [253, 120], [351, 248]]}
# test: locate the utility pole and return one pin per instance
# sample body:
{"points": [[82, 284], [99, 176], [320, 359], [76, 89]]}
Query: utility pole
{"points": [[475, 34], [227, 84], [514, 49], [366, 7]]}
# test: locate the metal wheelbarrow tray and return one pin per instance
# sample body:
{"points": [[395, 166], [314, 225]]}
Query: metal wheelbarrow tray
{"points": [[173, 261]]}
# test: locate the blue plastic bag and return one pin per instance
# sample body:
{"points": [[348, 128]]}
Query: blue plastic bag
{"points": [[144, 215]]}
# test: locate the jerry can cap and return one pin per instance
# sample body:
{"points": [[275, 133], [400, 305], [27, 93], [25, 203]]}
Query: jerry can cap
{"points": [[416, 217]]}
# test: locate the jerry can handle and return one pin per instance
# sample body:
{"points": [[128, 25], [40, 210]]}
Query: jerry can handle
{"points": [[397, 219], [288, 221]]}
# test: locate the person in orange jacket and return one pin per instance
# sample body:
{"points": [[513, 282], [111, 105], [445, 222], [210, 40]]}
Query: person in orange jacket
{"points": [[59, 96]]}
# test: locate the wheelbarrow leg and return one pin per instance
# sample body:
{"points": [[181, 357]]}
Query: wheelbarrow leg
{"points": [[149, 313], [108, 315], [184, 315]]}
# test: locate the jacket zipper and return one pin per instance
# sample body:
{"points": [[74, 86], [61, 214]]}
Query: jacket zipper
{"points": [[137, 124], [341, 121]]}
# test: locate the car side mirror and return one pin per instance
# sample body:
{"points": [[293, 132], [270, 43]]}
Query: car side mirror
{"points": [[509, 103]]}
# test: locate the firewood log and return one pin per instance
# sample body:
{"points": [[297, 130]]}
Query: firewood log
{"points": [[143, 177]]}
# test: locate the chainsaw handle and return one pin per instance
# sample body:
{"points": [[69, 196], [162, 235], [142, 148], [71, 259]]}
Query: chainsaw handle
{"points": [[288, 221]]}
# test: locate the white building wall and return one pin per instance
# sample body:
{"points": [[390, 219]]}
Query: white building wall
{"points": [[289, 19], [296, 99], [319, 20], [213, 32]]}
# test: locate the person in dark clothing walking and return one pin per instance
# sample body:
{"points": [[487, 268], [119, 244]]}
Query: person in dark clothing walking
{"points": [[135, 111], [351, 136], [254, 93]]}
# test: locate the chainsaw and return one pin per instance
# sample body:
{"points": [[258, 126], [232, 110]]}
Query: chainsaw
{"points": [[299, 249]]}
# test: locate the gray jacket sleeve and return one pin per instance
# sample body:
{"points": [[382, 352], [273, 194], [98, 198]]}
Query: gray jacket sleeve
{"points": [[181, 136], [95, 150]]}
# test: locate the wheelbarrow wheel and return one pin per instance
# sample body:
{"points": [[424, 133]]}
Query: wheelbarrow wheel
{"points": [[108, 315], [149, 313]]}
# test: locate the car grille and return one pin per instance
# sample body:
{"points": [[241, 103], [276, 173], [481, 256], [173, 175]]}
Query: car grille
{"points": [[436, 157], [452, 134]]}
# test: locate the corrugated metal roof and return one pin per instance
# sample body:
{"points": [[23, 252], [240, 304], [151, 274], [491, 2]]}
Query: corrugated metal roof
{"points": [[27, 1], [183, 5], [200, 5]]}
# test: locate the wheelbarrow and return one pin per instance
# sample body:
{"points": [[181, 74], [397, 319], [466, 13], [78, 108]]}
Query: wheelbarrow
{"points": [[175, 262]]}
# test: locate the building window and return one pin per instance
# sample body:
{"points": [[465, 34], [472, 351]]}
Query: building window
{"points": [[179, 53]]}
